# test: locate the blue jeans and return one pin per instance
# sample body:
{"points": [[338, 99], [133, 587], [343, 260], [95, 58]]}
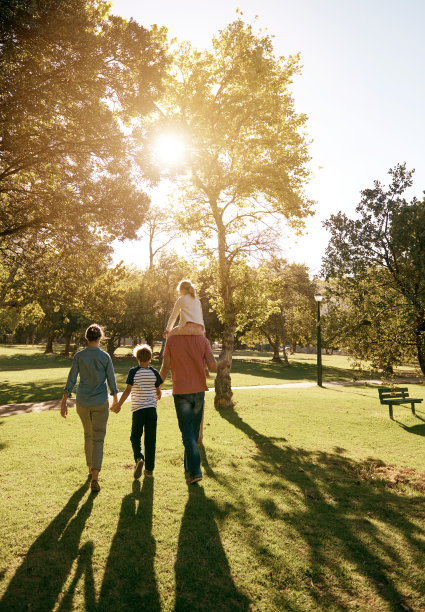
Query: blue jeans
{"points": [[189, 409]]}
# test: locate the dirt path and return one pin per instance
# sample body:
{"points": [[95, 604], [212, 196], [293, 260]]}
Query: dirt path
{"points": [[29, 407]]}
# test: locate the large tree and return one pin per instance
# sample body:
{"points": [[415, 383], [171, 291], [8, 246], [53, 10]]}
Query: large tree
{"points": [[381, 253], [71, 75], [246, 156]]}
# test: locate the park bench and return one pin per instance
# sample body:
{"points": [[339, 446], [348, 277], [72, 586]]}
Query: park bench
{"points": [[389, 397]]}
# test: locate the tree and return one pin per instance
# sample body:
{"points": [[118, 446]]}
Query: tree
{"points": [[160, 230], [287, 313], [70, 75], [246, 162], [380, 257]]}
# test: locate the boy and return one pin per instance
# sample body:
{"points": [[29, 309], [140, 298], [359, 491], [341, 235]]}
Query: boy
{"points": [[143, 383]]}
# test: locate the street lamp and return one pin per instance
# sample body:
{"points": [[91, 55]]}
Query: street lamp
{"points": [[318, 298]]}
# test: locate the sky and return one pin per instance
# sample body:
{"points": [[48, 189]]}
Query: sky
{"points": [[362, 87]]}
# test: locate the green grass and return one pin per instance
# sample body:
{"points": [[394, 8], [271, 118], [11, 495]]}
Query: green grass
{"points": [[28, 375], [312, 500]]}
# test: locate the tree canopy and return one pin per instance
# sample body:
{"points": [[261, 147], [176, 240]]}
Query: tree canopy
{"points": [[246, 161], [380, 257]]}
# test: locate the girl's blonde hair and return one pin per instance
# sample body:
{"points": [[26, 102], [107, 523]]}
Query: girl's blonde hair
{"points": [[187, 286]]}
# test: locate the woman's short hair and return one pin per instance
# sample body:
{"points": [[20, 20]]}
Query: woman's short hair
{"points": [[94, 332], [187, 285], [142, 352]]}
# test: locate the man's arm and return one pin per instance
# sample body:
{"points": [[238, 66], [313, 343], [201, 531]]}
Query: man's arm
{"points": [[165, 368]]}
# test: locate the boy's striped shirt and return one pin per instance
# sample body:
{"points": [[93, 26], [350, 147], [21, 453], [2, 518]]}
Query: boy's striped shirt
{"points": [[144, 382]]}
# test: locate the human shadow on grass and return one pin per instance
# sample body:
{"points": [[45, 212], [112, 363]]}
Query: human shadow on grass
{"points": [[203, 576], [39, 580], [336, 511], [129, 581]]}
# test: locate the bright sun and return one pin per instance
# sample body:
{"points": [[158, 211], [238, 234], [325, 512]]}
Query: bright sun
{"points": [[169, 149]]}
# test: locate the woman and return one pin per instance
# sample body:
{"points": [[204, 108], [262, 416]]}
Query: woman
{"points": [[95, 368]]}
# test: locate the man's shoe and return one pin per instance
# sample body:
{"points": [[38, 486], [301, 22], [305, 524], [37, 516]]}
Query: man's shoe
{"points": [[148, 473], [138, 469], [193, 479]]}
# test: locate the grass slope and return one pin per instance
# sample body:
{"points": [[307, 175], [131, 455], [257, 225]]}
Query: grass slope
{"points": [[312, 500]]}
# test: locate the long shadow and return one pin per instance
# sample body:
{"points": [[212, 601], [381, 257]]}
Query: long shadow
{"points": [[203, 576], [334, 522], [84, 568], [39, 580], [129, 582]]}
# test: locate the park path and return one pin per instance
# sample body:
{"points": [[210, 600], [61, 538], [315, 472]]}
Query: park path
{"points": [[28, 407]]}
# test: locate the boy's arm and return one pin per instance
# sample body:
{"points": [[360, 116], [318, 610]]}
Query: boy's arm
{"points": [[116, 408]]}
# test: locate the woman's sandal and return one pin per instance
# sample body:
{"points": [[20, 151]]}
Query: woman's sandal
{"points": [[95, 486]]}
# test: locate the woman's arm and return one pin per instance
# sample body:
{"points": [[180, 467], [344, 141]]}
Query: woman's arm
{"points": [[110, 377], [70, 384]]}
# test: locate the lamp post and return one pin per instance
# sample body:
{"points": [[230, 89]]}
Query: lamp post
{"points": [[318, 298]]}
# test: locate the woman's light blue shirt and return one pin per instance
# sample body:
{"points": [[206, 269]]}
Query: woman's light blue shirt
{"points": [[95, 368]]}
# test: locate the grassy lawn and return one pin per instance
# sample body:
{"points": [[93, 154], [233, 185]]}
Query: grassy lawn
{"points": [[312, 500], [28, 375]]}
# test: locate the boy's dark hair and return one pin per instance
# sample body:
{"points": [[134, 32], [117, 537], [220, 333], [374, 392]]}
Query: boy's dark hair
{"points": [[143, 353], [94, 332]]}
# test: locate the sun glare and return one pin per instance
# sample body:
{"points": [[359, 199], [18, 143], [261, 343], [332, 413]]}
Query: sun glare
{"points": [[169, 149]]}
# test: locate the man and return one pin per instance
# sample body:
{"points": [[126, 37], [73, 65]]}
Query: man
{"points": [[186, 355]]}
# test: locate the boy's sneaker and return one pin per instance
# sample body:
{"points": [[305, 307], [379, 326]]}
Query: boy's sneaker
{"points": [[148, 473], [138, 469], [193, 479]]}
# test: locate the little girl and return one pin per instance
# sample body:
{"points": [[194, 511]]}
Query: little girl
{"points": [[188, 306]]}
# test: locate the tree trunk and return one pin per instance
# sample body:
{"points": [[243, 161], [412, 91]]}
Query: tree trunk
{"points": [[420, 346], [275, 346], [149, 340], [285, 356], [49, 343], [111, 346], [223, 383], [68, 338]]}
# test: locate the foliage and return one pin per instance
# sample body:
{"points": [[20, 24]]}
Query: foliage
{"points": [[246, 160], [70, 72], [382, 253], [286, 306]]}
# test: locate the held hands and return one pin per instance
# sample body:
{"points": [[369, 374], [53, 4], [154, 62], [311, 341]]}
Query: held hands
{"points": [[223, 364], [165, 334], [158, 393], [116, 407]]}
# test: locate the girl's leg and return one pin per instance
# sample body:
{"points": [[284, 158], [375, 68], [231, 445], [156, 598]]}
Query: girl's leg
{"points": [[84, 414], [188, 329], [99, 419]]}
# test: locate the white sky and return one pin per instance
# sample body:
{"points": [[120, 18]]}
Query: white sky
{"points": [[362, 87]]}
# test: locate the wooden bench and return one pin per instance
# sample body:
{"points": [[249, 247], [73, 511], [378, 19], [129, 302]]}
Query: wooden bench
{"points": [[389, 397]]}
